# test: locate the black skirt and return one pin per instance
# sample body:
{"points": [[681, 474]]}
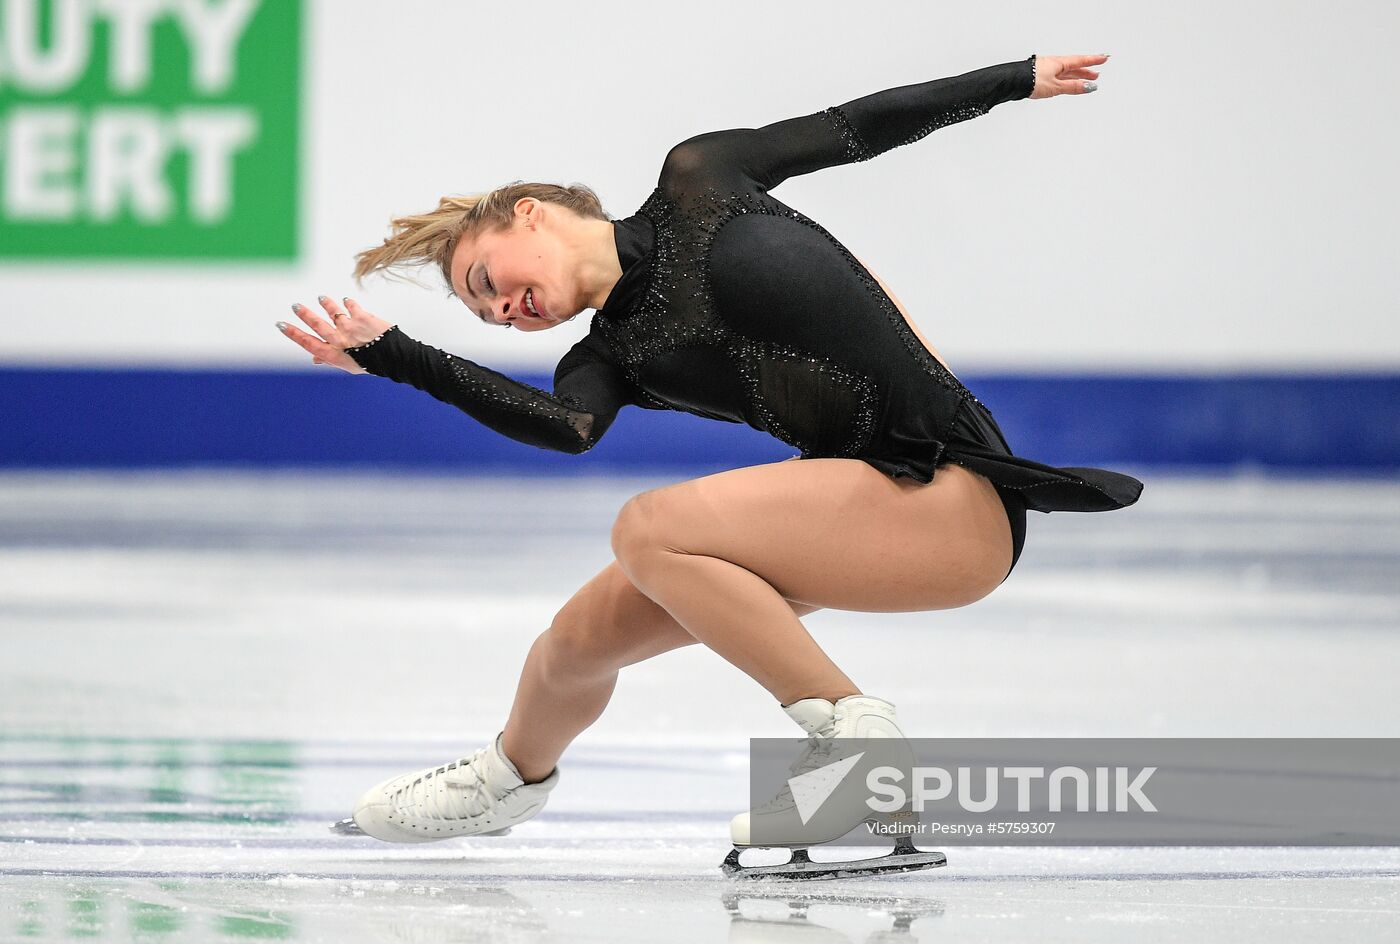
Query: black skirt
{"points": [[974, 426], [976, 442]]}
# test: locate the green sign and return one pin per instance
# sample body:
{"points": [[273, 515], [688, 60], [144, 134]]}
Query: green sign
{"points": [[152, 129]]}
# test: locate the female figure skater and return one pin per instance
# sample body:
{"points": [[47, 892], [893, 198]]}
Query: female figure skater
{"points": [[716, 299]]}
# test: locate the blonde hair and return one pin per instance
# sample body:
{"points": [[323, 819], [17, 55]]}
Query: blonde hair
{"points": [[433, 237]]}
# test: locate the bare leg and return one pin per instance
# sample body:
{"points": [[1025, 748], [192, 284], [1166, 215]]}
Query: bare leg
{"points": [[724, 555], [571, 670]]}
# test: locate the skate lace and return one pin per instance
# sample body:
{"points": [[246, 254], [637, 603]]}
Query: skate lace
{"points": [[424, 799], [816, 752]]}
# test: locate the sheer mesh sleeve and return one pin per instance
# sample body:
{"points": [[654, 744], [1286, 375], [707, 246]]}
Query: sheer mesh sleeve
{"points": [[854, 131], [588, 390]]}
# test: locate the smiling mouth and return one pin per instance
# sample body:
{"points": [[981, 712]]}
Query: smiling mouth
{"points": [[529, 304]]}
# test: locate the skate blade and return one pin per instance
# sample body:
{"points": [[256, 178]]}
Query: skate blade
{"points": [[347, 827], [904, 858]]}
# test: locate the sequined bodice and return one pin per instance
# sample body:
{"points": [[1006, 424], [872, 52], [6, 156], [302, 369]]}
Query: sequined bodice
{"points": [[753, 312]]}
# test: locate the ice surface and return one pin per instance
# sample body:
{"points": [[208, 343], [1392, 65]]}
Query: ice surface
{"points": [[203, 669]]}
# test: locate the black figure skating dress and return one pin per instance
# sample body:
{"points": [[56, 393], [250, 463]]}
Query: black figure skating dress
{"points": [[736, 307]]}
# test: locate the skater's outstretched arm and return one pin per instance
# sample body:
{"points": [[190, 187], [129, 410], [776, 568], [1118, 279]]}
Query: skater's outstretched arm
{"points": [[588, 389], [866, 127]]}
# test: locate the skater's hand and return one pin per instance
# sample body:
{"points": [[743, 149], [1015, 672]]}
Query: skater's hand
{"points": [[1065, 75], [350, 326]]}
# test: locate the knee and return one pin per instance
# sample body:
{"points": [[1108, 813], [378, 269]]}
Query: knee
{"points": [[636, 529]]}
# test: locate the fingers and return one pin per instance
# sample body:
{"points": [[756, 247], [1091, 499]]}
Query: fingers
{"points": [[329, 329], [319, 325], [332, 307], [326, 329], [321, 352], [313, 344], [1083, 76], [1077, 77]]}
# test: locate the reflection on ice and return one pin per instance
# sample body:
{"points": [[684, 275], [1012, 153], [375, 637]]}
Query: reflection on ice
{"points": [[289, 910], [800, 914]]}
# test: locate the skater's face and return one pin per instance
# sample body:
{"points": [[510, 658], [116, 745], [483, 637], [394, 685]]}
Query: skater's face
{"points": [[493, 271]]}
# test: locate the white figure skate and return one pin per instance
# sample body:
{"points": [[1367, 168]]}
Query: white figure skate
{"points": [[480, 795], [778, 823]]}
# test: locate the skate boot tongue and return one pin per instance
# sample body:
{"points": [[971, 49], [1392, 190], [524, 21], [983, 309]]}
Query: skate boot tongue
{"points": [[815, 715], [491, 767]]}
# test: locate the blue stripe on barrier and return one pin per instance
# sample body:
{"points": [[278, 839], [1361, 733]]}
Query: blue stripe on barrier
{"points": [[131, 418]]}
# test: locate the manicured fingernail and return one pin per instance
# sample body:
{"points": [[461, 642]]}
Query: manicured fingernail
{"points": [[322, 298], [346, 299], [296, 306], [281, 325], [1090, 86]]}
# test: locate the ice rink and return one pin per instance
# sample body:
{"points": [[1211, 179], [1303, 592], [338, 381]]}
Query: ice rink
{"points": [[204, 669]]}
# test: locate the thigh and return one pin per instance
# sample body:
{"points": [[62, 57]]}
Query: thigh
{"points": [[610, 618], [834, 533]]}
